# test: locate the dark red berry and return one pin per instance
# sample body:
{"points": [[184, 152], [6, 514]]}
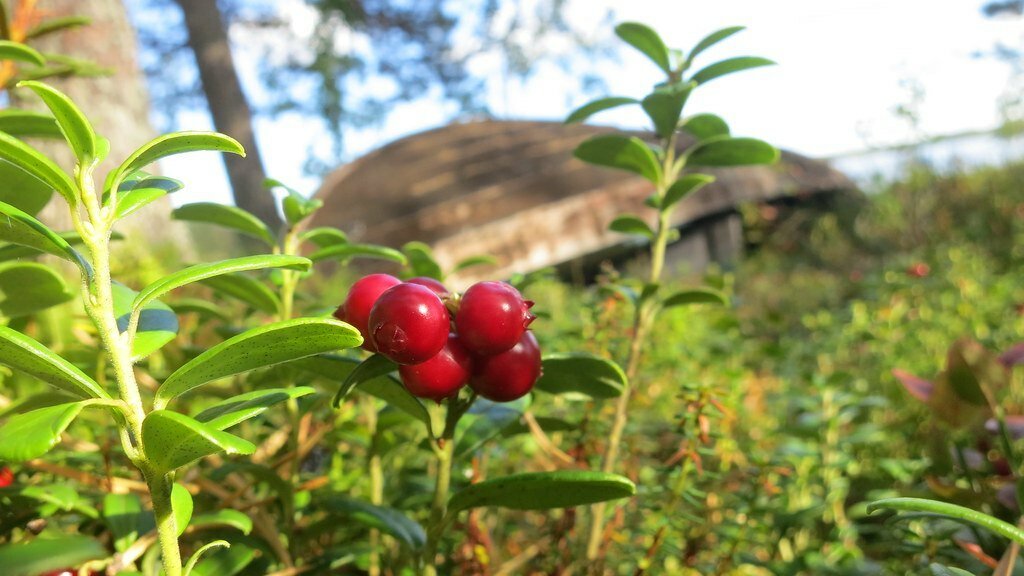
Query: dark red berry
{"points": [[62, 572], [409, 324], [510, 374], [361, 297], [435, 285], [6, 477], [441, 376], [492, 317]]}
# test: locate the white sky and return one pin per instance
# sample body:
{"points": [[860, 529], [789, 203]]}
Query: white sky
{"points": [[840, 68]]}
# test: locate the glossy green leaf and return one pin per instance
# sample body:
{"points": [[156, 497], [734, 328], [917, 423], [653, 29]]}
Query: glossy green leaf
{"points": [[247, 289], [684, 187], [324, 236], [646, 41], [600, 105], [47, 289], [543, 491], [704, 126], [158, 324], [172, 440], [135, 194], [17, 251], [210, 269], [17, 227], [373, 367], [346, 252], [28, 403], [126, 519], [630, 224], [32, 434], [625, 153], [73, 124], [42, 555], [738, 64], [295, 206], [181, 506], [227, 517], [472, 261], [21, 53], [696, 296], [664, 109], [20, 352], [23, 190], [258, 348], [51, 25], [26, 123], [953, 511], [712, 39], [242, 407], [60, 496], [227, 216], [422, 261], [581, 375], [198, 554], [727, 151], [225, 562], [388, 520], [169, 145], [939, 570], [338, 368]]}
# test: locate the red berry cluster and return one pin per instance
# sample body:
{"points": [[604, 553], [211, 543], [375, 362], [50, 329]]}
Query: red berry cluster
{"points": [[443, 341]]}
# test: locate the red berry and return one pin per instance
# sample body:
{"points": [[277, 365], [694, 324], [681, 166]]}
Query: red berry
{"points": [[492, 317], [435, 285], [441, 376], [409, 324], [6, 477], [510, 374], [361, 297], [62, 572]]}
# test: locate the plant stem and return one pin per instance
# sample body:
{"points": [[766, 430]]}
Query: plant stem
{"points": [[445, 453], [167, 529], [376, 474]]}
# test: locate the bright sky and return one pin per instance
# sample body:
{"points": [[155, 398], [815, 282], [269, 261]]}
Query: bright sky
{"points": [[839, 76]]}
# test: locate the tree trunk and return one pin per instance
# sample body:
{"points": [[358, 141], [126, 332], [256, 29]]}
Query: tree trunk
{"points": [[231, 114]]}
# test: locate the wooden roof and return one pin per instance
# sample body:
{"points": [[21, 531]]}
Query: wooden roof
{"points": [[513, 190]]}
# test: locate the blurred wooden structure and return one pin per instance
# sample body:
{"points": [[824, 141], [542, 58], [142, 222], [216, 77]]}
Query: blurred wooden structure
{"points": [[514, 191]]}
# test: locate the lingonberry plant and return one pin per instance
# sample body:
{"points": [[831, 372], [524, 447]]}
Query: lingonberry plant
{"points": [[683, 142]]}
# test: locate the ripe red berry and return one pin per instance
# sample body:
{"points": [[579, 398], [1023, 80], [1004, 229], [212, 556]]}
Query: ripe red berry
{"points": [[510, 374], [409, 324], [492, 317], [435, 285], [361, 297], [441, 376], [6, 477], [62, 572]]}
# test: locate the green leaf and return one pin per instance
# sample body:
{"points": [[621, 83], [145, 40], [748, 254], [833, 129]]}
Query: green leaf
{"points": [[73, 124], [227, 517], [26, 123], [169, 145], [135, 194], [41, 400], [630, 224], [47, 289], [42, 555], [226, 216], [296, 207], [630, 154], [580, 374], [466, 263], [373, 367], [704, 126], [242, 407], [348, 251], [22, 353], [664, 109], [684, 187], [32, 434], [181, 506], [51, 25], [20, 52], [728, 151], [950, 511], [225, 562], [712, 39], [17, 251], [599, 105], [32, 162], [208, 270], [543, 491], [17, 227], [940, 570], [59, 496], [696, 296], [484, 421], [738, 64], [975, 374], [258, 348], [191, 564], [23, 190], [126, 519], [338, 368], [646, 41], [246, 289], [204, 308], [158, 324], [388, 520], [172, 440], [324, 236], [421, 260]]}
